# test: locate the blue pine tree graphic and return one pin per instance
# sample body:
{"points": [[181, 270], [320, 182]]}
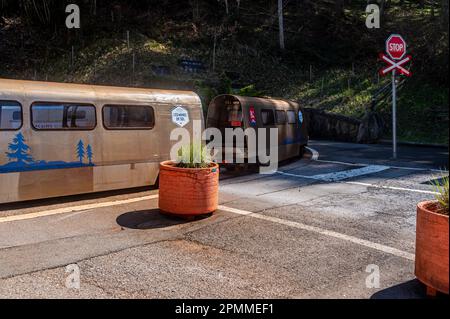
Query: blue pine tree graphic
{"points": [[89, 153], [19, 151], [80, 151]]}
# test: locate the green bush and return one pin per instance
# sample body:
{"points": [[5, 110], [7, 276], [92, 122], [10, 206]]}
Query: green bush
{"points": [[442, 196], [206, 93], [193, 156], [250, 90]]}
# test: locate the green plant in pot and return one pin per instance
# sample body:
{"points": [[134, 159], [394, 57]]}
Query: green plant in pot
{"points": [[442, 195], [189, 186], [193, 156], [432, 240]]}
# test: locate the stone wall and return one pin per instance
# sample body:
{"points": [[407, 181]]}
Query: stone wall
{"points": [[342, 128]]}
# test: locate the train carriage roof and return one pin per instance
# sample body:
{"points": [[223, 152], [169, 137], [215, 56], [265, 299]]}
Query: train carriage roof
{"points": [[40, 90], [247, 101]]}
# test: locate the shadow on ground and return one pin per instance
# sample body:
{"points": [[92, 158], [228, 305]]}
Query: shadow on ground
{"points": [[412, 289], [151, 219]]}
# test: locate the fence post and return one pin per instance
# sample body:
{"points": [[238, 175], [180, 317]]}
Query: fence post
{"points": [[128, 39], [214, 52], [134, 64], [321, 87], [310, 73], [72, 57]]}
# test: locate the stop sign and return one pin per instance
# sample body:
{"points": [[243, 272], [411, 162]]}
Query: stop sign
{"points": [[396, 46]]}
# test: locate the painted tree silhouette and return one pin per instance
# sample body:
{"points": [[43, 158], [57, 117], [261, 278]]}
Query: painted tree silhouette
{"points": [[80, 151], [19, 151], [89, 153]]}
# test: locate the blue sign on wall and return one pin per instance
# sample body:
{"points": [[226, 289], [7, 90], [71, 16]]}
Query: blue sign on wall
{"points": [[191, 66]]}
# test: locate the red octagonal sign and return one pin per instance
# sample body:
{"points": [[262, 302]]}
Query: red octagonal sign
{"points": [[396, 46]]}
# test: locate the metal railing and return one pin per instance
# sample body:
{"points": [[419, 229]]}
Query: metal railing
{"points": [[384, 95]]}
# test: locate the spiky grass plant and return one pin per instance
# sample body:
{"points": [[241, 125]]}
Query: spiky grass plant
{"points": [[442, 194], [193, 156]]}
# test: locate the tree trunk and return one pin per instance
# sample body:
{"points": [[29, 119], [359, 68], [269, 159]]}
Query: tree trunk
{"points": [[281, 23], [226, 7], [339, 7], [382, 10], [195, 11], [445, 14]]}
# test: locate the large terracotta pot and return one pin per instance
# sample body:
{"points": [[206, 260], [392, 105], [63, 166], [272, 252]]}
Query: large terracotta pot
{"points": [[188, 191], [432, 248]]}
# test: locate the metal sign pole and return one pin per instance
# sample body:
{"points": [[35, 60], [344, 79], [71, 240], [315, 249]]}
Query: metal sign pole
{"points": [[396, 49], [394, 116]]}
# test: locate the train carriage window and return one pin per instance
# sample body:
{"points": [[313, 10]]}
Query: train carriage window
{"points": [[10, 115], [63, 116], [117, 117], [291, 118], [267, 117], [281, 117]]}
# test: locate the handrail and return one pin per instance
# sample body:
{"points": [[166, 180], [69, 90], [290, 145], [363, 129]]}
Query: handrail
{"points": [[384, 93]]}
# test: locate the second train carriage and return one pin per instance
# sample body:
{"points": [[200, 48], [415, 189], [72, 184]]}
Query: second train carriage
{"points": [[233, 111], [61, 139]]}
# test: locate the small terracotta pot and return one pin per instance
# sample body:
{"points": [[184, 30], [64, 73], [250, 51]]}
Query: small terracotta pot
{"points": [[432, 248], [188, 192]]}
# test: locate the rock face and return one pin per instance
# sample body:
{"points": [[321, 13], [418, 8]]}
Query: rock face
{"points": [[370, 129], [342, 128]]}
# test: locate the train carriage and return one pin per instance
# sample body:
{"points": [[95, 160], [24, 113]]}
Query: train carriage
{"points": [[60, 139], [233, 111]]}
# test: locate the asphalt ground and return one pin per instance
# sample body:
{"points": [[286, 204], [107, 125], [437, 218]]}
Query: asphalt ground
{"points": [[324, 226]]}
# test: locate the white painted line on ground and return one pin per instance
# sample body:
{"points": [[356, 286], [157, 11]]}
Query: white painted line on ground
{"points": [[340, 163], [393, 188], [315, 154], [314, 177], [329, 233], [315, 157], [421, 169], [73, 209], [394, 167], [341, 175], [294, 175]]}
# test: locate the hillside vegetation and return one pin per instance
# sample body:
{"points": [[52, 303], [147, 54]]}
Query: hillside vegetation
{"points": [[329, 60]]}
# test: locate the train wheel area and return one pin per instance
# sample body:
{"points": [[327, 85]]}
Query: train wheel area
{"points": [[339, 223]]}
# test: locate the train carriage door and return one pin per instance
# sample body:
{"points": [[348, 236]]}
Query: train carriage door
{"points": [[284, 136], [129, 145], [302, 129], [293, 129], [268, 121], [225, 112]]}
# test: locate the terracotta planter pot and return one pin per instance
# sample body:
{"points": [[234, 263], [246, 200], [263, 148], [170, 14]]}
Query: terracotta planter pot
{"points": [[188, 191], [432, 248]]}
